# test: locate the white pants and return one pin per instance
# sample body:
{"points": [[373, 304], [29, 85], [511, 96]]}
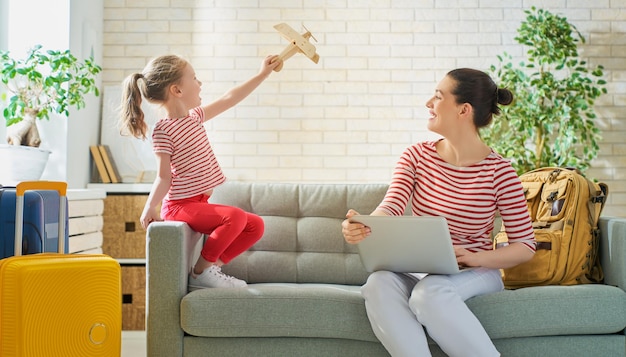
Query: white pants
{"points": [[400, 306]]}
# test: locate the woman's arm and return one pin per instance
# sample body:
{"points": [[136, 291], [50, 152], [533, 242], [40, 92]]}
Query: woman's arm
{"points": [[238, 93], [401, 187], [511, 204], [501, 258], [393, 204], [159, 189]]}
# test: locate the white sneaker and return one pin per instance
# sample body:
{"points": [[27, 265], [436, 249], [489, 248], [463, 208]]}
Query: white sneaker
{"points": [[212, 277]]}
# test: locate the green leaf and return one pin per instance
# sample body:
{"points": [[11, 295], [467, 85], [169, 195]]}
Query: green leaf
{"points": [[65, 85], [553, 93]]}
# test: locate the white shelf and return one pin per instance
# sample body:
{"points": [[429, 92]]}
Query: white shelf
{"points": [[131, 261], [122, 187], [86, 194]]}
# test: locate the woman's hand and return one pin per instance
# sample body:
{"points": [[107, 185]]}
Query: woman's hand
{"points": [[465, 258], [353, 233]]}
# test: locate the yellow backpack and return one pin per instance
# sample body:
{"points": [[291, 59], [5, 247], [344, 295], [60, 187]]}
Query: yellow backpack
{"points": [[564, 207]]}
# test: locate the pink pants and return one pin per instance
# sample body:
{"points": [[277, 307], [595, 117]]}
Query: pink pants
{"points": [[231, 230]]}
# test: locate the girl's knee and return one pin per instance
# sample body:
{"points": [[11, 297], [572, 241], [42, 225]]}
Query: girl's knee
{"points": [[234, 217], [255, 227], [256, 222]]}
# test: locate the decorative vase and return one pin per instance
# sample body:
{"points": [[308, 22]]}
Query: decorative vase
{"points": [[21, 163]]}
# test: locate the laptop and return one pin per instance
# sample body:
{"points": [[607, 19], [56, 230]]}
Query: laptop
{"points": [[407, 244]]}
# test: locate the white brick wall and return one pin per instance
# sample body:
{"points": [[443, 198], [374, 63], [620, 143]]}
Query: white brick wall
{"points": [[348, 118]]}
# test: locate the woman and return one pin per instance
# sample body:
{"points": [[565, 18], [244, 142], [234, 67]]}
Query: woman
{"points": [[462, 179]]}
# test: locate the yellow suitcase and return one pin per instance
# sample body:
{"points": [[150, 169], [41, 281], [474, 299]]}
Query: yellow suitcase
{"points": [[54, 304]]}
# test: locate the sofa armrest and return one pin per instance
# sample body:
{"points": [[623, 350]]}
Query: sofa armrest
{"points": [[170, 249], [613, 250]]}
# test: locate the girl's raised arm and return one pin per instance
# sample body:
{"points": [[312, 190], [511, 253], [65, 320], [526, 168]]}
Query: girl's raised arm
{"points": [[239, 92]]}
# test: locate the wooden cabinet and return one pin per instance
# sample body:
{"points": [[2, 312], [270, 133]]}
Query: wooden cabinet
{"points": [[124, 237], [133, 297], [125, 240]]}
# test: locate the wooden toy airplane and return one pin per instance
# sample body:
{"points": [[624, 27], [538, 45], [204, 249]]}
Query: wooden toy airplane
{"points": [[298, 43]]}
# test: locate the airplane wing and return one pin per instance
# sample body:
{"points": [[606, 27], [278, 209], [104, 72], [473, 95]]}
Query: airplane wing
{"points": [[292, 36], [287, 31]]}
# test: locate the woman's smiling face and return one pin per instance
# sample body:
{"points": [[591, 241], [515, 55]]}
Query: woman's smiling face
{"points": [[442, 107]]}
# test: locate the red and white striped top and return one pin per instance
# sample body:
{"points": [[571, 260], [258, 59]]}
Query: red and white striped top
{"points": [[468, 197], [195, 169]]}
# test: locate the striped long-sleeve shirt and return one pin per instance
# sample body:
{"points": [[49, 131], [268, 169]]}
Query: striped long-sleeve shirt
{"points": [[194, 167], [468, 197]]}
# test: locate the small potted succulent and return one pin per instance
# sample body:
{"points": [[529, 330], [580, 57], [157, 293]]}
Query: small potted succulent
{"points": [[42, 83]]}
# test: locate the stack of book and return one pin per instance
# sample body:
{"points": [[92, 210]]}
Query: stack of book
{"points": [[105, 169]]}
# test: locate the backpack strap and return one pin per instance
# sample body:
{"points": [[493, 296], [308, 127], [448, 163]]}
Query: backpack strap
{"points": [[597, 199]]}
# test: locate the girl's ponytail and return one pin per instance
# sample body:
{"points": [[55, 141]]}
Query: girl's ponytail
{"points": [[131, 117], [152, 84]]}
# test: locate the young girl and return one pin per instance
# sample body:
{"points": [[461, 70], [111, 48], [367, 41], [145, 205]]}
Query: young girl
{"points": [[187, 168], [464, 180]]}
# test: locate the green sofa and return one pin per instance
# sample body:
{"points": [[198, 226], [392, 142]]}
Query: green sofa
{"points": [[303, 296]]}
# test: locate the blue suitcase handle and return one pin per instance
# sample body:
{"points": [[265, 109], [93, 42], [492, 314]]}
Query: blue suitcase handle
{"points": [[20, 189]]}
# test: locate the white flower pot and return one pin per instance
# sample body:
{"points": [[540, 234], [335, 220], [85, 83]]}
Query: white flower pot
{"points": [[21, 163]]}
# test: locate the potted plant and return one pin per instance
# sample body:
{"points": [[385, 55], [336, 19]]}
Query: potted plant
{"points": [[551, 121], [42, 83]]}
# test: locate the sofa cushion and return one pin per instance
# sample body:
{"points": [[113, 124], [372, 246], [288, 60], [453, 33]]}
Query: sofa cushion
{"points": [[552, 310], [302, 242], [327, 310], [272, 310]]}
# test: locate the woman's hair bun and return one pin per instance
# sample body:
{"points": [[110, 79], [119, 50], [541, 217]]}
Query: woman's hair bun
{"points": [[505, 96]]}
